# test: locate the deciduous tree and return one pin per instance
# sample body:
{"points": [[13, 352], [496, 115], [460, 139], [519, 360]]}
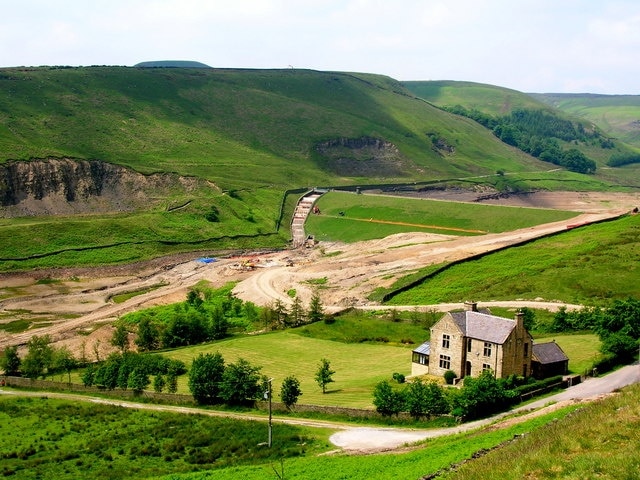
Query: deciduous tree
{"points": [[205, 377], [290, 391], [324, 374]]}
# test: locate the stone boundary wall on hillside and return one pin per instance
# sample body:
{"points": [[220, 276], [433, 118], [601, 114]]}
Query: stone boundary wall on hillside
{"points": [[178, 399]]}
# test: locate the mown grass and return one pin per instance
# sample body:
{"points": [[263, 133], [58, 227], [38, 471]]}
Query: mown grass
{"points": [[350, 217], [589, 265], [57, 439], [358, 366]]}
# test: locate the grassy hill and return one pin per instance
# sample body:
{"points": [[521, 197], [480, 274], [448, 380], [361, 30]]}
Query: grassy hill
{"points": [[617, 115], [237, 127], [252, 134], [612, 119]]}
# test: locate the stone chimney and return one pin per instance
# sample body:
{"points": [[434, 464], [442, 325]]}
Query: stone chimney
{"points": [[470, 306], [520, 320]]}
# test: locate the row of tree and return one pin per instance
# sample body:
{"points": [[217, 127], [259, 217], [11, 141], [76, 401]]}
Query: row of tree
{"points": [[537, 132], [618, 327], [133, 371], [211, 381], [211, 314], [479, 396], [41, 359]]}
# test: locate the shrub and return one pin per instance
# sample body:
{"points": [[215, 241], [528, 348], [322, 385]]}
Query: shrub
{"points": [[449, 377]]}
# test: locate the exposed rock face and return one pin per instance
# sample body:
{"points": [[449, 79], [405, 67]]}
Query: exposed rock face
{"points": [[66, 186], [366, 156]]}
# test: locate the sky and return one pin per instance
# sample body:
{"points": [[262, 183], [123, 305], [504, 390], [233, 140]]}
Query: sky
{"points": [[543, 46]]}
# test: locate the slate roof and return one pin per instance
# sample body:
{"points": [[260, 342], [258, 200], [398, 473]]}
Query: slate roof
{"points": [[425, 348], [549, 352], [483, 326]]}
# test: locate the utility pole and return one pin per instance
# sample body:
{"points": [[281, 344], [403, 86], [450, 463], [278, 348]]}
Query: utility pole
{"points": [[270, 425]]}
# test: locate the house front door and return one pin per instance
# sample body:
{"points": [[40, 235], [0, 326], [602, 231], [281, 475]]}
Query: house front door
{"points": [[467, 372]]}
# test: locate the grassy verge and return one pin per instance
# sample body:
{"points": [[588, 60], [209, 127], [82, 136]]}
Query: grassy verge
{"points": [[588, 265]]}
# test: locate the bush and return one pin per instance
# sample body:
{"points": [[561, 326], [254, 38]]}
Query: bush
{"points": [[449, 377], [398, 377]]}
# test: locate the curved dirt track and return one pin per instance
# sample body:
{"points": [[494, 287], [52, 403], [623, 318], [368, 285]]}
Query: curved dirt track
{"points": [[348, 273]]}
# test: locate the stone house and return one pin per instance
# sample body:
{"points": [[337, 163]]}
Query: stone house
{"points": [[471, 341]]}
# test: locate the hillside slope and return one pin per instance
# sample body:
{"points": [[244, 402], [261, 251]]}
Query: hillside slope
{"points": [[602, 129], [243, 128], [617, 115]]}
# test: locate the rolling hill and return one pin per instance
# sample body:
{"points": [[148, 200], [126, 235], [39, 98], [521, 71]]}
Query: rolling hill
{"points": [[216, 150]]}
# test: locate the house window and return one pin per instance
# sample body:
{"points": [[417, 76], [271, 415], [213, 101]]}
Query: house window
{"points": [[487, 349], [526, 350], [485, 367], [468, 344], [445, 362], [445, 340], [421, 358]]}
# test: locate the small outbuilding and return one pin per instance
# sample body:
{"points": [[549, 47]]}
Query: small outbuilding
{"points": [[548, 360]]}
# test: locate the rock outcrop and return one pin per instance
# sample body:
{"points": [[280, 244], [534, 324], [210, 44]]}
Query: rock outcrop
{"points": [[64, 186]]}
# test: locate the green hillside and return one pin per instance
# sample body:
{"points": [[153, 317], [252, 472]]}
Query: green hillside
{"points": [[238, 127], [602, 129], [617, 115], [248, 135]]}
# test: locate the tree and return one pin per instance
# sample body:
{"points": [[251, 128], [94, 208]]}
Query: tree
{"points": [[425, 399], [479, 396], [387, 400], [219, 324], [64, 361], [324, 375], [89, 375], [138, 380], [39, 355], [205, 377], [120, 338], [158, 383], [619, 329], [528, 318], [10, 361], [296, 314], [316, 310], [148, 336], [107, 373], [172, 381], [290, 391], [240, 383]]}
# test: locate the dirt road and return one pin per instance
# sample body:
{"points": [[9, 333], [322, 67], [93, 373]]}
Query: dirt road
{"points": [[72, 306], [371, 439]]}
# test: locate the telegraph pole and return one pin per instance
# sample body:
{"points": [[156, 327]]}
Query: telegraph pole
{"points": [[270, 425]]}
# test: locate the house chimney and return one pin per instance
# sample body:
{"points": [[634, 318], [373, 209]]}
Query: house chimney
{"points": [[471, 306], [520, 319]]}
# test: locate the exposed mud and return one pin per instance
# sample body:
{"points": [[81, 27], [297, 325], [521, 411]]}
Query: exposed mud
{"points": [[76, 306]]}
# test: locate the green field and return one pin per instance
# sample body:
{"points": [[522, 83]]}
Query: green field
{"points": [[358, 366], [589, 265], [349, 217]]}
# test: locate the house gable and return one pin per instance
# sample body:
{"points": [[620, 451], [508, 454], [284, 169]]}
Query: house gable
{"points": [[468, 342]]}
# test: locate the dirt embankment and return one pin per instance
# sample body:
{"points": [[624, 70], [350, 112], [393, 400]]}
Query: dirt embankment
{"points": [[76, 307]]}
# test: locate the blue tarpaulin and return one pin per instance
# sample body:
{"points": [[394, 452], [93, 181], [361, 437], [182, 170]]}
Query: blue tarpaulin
{"points": [[206, 260]]}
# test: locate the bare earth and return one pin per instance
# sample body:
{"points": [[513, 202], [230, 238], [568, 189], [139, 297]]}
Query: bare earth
{"points": [[76, 309]]}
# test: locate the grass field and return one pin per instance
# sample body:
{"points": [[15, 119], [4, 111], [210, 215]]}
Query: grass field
{"points": [[590, 265], [349, 217], [358, 366], [57, 439]]}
